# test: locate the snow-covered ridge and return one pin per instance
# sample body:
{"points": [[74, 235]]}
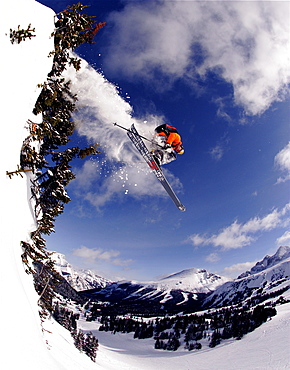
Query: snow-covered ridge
{"points": [[194, 280], [282, 253], [186, 281], [268, 276], [79, 279]]}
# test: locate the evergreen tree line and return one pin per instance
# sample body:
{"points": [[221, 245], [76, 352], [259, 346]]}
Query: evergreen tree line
{"points": [[190, 330], [49, 285], [84, 342]]}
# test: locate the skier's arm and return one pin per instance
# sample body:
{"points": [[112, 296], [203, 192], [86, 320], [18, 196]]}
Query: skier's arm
{"points": [[173, 140]]}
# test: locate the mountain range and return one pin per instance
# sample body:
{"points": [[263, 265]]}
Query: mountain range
{"points": [[186, 291], [268, 277]]}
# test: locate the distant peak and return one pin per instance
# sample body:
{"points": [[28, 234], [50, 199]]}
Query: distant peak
{"points": [[184, 273], [282, 253]]}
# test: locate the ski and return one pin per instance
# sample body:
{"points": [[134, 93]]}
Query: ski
{"points": [[143, 150]]}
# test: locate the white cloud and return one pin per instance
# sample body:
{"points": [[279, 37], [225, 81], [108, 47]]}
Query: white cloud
{"points": [[220, 148], [98, 255], [247, 43], [213, 257], [217, 152], [239, 235], [282, 160], [238, 268], [87, 174], [284, 239]]}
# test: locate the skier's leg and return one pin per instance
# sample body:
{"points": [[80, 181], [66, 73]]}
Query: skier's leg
{"points": [[168, 156]]}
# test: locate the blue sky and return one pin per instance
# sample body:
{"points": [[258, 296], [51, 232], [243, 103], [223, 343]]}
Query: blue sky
{"points": [[219, 72]]}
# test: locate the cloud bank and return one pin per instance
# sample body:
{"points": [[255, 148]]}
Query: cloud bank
{"points": [[100, 255], [234, 270], [239, 235], [245, 43], [284, 239]]}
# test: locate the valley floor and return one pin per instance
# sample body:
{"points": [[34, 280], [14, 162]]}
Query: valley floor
{"points": [[265, 348]]}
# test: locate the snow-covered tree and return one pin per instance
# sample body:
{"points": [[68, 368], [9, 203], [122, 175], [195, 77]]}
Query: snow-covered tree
{"points": [[40, 152]]}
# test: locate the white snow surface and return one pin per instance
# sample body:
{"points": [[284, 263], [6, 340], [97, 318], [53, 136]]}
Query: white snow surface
{"points": [[266, 348], [193, 280], [24, 343], [23, 66]]}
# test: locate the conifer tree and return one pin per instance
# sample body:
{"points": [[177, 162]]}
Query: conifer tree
{"points": [[16, 36], [50, 165], [79, 340], [91, 345]]}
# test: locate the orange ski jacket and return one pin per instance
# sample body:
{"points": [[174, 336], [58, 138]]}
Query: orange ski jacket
{"points": [[173, 139]]}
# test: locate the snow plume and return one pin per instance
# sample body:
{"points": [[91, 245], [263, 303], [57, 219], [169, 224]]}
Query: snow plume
{"points": [[245, 42], [122, 171]]}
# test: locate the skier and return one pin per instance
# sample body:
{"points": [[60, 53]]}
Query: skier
{"points": [[169, 139]]}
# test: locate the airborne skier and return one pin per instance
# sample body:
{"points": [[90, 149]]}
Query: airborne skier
{"points": [[150, 159], [166, 144]]}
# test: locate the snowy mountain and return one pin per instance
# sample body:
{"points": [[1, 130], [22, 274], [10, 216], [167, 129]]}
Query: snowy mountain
{"points": [[192, 280], [195, 289], [177, 292], [282, 253], [268, 278], [78, 279]]}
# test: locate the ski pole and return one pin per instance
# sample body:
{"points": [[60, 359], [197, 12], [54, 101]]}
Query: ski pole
{"points": [[145, 138]]}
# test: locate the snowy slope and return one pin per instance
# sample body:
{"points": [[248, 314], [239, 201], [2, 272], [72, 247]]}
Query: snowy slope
{"points": [[21, 70], [78, 279], [267, 348], [282, 253], [193, 280], [23, 66], [272, 277]]}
